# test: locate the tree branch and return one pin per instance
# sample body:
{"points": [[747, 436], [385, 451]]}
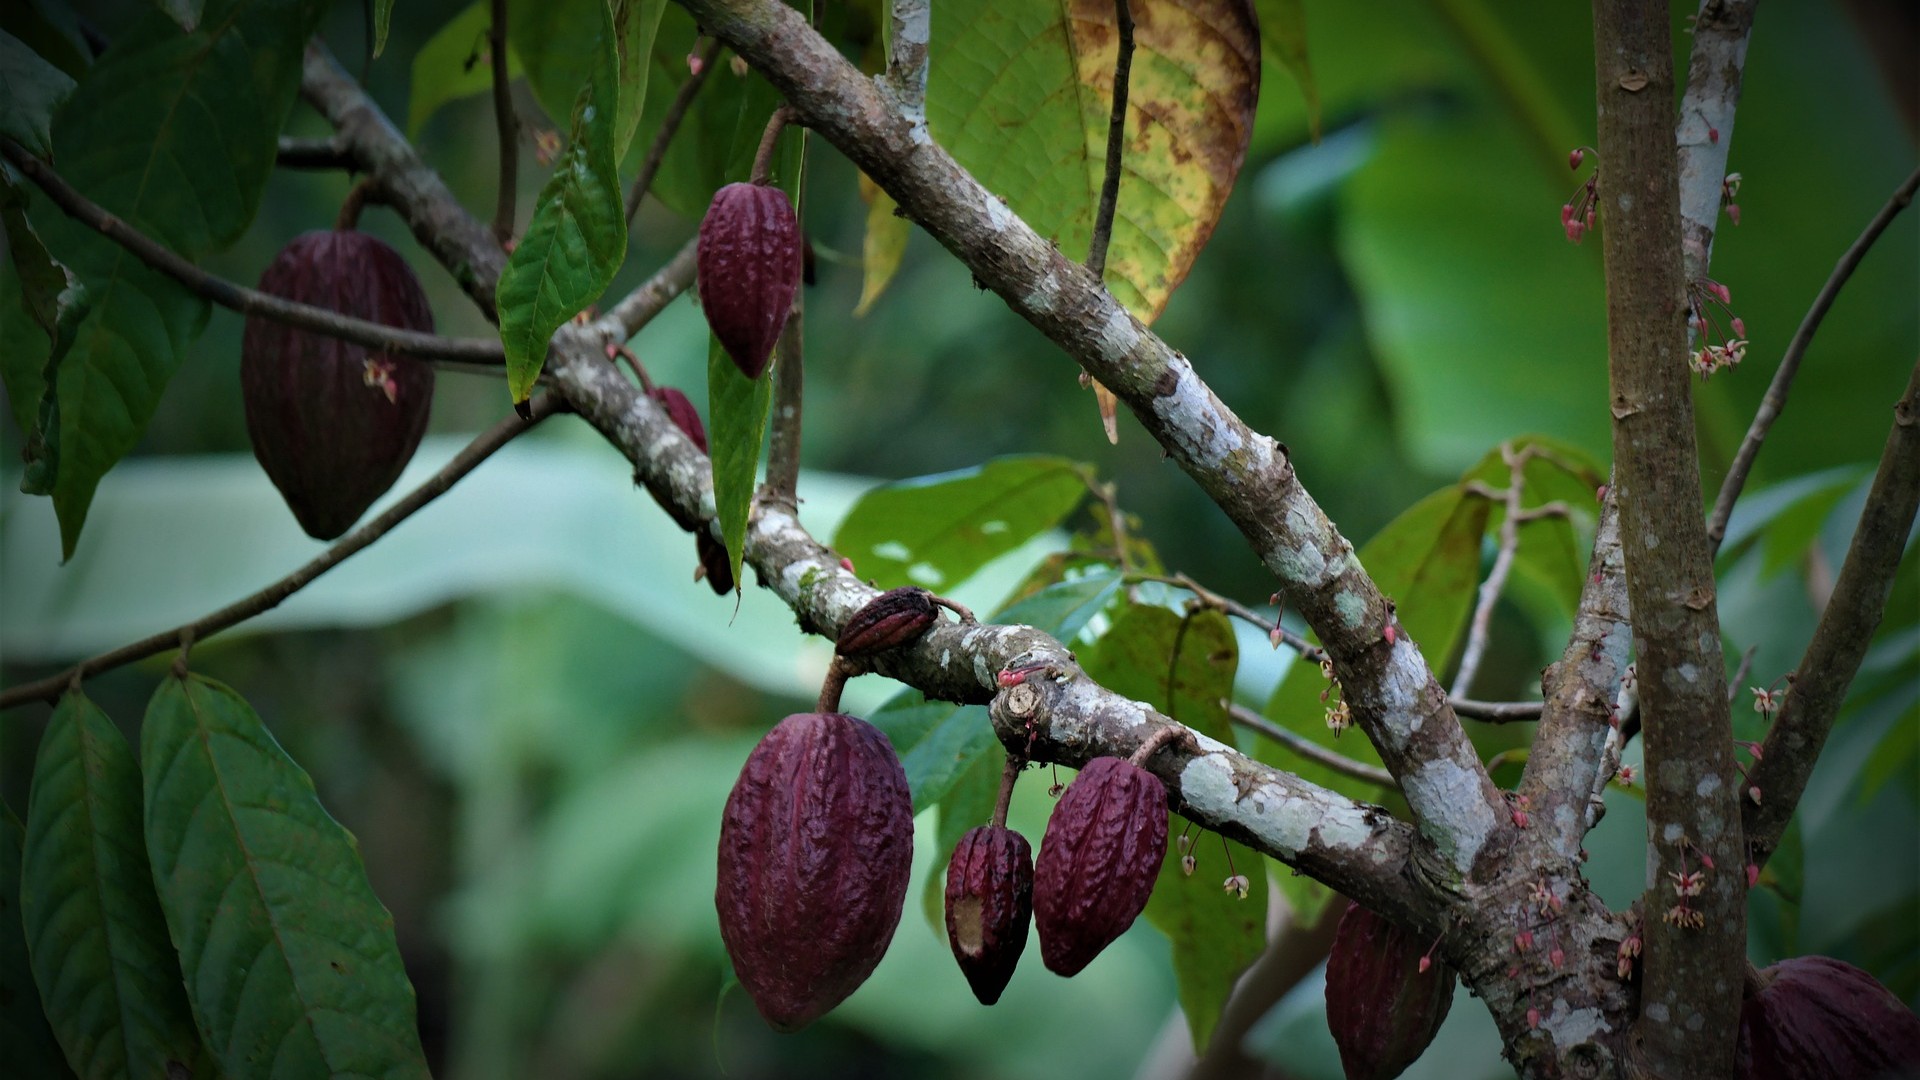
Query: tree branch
{"points": [[372, 335], [910, 30], [1776, 397], [1394, 696], [464, 462], [703, 61], [1720, 33], [1116, 144], [1307, 748], [1844, 632], [1512, 499], [505, 123], [1696, 933], [318, 154]]}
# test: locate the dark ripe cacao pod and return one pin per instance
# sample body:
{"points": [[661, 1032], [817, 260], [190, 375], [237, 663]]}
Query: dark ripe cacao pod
{"points": [[748, 263], [715, 561], [1816, 1018], [893, 618], [331, 423], [815, 848], [1383, 1010], [989, 903], [682, 413], [1098, 861]]}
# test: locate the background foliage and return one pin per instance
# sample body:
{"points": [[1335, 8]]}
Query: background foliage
{"points": [[529, 715]]}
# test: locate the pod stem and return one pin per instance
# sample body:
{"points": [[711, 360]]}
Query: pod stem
{"points": [[838, 673], [1008, 775], [1169, 734], [357, 199], [763, 158]]}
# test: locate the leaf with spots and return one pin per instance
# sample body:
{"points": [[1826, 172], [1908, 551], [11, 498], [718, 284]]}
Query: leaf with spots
{"points": [[290, 960], [937, 531], [1021, 94]]}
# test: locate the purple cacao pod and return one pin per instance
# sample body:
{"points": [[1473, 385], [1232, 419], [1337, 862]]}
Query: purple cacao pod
{"points": [[682, 413], [1816, 1018], [893, 618], [748, 264], [1383, 1010], [815, 848], [989, 903], [332, 424], [1098, 861], [715, 561]]}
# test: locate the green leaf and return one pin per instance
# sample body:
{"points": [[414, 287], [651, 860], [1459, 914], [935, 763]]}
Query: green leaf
{"points": [[185, 12], [1283, 41], [41, 279], [1552, 552], [1149, 646], [884, 246], [453, 64], [1428, 561], [290, 959], [30, 91], [738, 408], [578, 235], [42, 452], [1215, 933], [51, 29], [382, 18], [937, 531], [101, 955], [562, 42], [176, 133], [1020, 93], [23, 1026], [28, 346], [636, 24]]}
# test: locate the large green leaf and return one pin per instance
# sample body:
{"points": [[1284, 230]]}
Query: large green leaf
{"points": [[290, 959], [738, 408], [101, 956], [382, 19], [1283, 41], [453, 64], [187, 12], [174, 132], [30, 91], [1184, 666], [937, 531], [27, 346], [23, 1026], [1021, 94], [51, 29]]}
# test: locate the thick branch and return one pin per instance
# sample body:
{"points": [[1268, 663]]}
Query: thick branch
{"points": [[247, 301], [1776, 397], [1845, 630], [909, 32], [1393, 694], [1720, 33], [1696, 941], [267, 599]]}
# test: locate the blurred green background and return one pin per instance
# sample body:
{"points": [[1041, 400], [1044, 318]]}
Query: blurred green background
{"points": [[530, 714]]}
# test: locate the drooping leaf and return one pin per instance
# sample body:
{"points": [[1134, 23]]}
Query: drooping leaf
{"points": [[1021, 94], [176, 133], [1428, 561], [938, 530], [561, 45], [453, 64], [187, 12], [737, 408], [101, 956], [884, 246], [290, 959], [43, 447], [1184, 665], [1283, 41], [578, 235], [25, 356], [636, 24], [41, 280], [382, 18], [31, 90], [24, 1033]]}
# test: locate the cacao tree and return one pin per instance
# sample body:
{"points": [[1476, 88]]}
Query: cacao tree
{"points": [[1613, 724]]}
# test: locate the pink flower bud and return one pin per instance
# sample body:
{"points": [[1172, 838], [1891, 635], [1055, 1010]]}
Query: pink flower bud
{"points": [[695, 63], [1753, 875], [1739, 327], [1425, 963], [1574, 159], [1389, 634], [1533, 1018], [1713, 134], [1733, 212], [1273, 638], [1557, 958]]}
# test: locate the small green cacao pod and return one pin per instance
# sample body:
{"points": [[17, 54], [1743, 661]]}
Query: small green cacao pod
{"points": [[1098, 861], [748, 266], [892, 619], [1817, 1018], [989, 904], [1382, 1009], [333, 424], [815, 848]]}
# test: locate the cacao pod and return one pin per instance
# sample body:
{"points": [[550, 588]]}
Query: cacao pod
{"points": [[332, 424], [748, 265], [715, 560], [682, 413], [815, 847], [893, 618], [1816, 1018], [1098, 861], [1383, 1010], [989, 902]]}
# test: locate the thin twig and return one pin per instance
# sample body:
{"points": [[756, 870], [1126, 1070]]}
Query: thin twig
{"points": [[1228, 605], [649, 298], [270, 597], [783, 447], [704, 59], [1008, 775], [1307, 748], [1480, 630], [506, 123], [1776, 397], [1497, 712], [1108, 495], [763, 157], [1740, 673], [238, 297], [1116, 143], [317, 154]]}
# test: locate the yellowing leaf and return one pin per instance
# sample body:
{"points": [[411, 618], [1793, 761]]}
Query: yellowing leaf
{"points": [[884, 246], [1020, 93]]}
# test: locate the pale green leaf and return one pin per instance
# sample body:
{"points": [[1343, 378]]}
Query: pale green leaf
{"points": [[453, 64], [31, 90], [737, 429], [101, 955], [937, 531], [1020, 93], [382, 19], [1283, 41], [290, 959], [884, 246]]}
